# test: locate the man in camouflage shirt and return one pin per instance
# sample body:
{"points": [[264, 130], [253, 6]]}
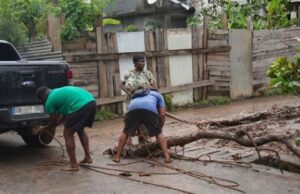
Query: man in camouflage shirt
{"points": [[137, 77]]}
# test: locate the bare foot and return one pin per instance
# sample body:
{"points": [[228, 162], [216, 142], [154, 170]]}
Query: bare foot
{"points": [[86, 161], [71, 168], [117, 160], [168, 160]]}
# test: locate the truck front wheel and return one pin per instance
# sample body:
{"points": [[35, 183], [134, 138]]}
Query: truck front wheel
{"points": [[37, 140]]}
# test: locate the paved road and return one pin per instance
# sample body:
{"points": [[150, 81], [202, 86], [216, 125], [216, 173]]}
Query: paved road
{"points": [[21, 169]]}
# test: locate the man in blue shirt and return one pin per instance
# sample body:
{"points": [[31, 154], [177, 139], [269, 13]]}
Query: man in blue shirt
{"points": [[149, 110]]}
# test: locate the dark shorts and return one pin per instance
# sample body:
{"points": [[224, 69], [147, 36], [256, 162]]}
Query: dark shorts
{"points": [[81, 118], [150, 120]]}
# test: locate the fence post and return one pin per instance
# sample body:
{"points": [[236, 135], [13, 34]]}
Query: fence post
{"points": [[101, 71], [241, 81], [53, 31], [197, 42], [224, 20], [298, 15], [204, 56]]}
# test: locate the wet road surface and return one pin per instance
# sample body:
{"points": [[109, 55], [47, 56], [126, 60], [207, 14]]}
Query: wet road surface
{"points": [[23, 169]]}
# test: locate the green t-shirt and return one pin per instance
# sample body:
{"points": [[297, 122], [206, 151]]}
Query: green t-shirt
{"points": [[67, 100]]}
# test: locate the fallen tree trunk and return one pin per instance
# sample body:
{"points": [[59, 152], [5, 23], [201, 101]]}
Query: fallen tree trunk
{"points": [[242, 137], [238, 137]]}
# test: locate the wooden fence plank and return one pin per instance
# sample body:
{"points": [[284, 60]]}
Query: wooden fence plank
{"points": [[164, 90], [197, 35], [152, 54], [204, 56]]}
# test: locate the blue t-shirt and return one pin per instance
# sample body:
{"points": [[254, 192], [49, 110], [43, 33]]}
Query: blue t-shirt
{"points": [[148, 102]]}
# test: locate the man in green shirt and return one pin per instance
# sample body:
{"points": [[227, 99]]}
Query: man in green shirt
{"points": [[76, 108]]}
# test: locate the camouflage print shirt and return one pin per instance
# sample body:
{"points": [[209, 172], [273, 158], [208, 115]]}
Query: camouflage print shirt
{"points": [[133, 79]]}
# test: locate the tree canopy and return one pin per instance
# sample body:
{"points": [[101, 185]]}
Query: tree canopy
{"points": [[23, 20], [264, 14]]}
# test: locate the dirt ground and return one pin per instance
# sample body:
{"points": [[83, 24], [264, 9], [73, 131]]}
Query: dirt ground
{"points": [[24, 169]]}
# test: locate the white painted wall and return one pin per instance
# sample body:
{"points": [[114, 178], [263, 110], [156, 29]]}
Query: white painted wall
{"points": [[181, 69], [129, 42]]}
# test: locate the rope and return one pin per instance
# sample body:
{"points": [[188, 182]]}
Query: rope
{"points": [[139, 181], [63, 162], [197, 175]]}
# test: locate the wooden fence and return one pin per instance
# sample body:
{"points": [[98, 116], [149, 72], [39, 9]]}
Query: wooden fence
{"points": [[267, 46], [189, 63], [180, 60]]}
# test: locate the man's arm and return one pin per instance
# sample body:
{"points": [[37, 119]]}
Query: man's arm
{"points": [[151, 80], [122, 86], [54, 121], [162, 113]]}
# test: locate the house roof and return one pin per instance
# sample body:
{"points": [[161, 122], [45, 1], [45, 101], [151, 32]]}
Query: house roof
{"points": [[122, 8]]}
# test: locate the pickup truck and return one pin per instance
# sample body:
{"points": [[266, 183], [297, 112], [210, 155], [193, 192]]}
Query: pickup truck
{"points": [[20, 109]]}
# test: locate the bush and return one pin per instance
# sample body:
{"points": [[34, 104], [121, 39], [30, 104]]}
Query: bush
{"points": [[69, 31], [80, 15], [168, 102], [285, 74], [214, 102], [11, 29], [104, 115], [237, 15], [131, 28], [109, 21]]}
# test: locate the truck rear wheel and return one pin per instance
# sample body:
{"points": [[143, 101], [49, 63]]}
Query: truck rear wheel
{"points": [[37, 140]]}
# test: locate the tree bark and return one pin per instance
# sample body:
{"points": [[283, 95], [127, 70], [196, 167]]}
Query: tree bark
{"points": [[238, 137]]}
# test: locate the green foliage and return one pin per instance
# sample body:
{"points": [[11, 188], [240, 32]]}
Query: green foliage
{"points": [[109, 21], [105, 115], [214, 102], [193, 21], [168, 102], [297, 142], [203, 103], [285, 74], [239, 15], [80, 15], [23, 19], [33, 14], [153, 25], [270, 92], [278, 14], [132, 28], [69, 31], [11, 29]]}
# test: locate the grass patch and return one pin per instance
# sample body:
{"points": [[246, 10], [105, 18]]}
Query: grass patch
{"points": [[214, 102], [271, 92], [297, 142], [168, 102], [205, 103], [105, 115]]}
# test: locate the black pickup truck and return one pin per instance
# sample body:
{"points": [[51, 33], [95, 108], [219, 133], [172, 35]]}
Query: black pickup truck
{"points": [[20, 109]]}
